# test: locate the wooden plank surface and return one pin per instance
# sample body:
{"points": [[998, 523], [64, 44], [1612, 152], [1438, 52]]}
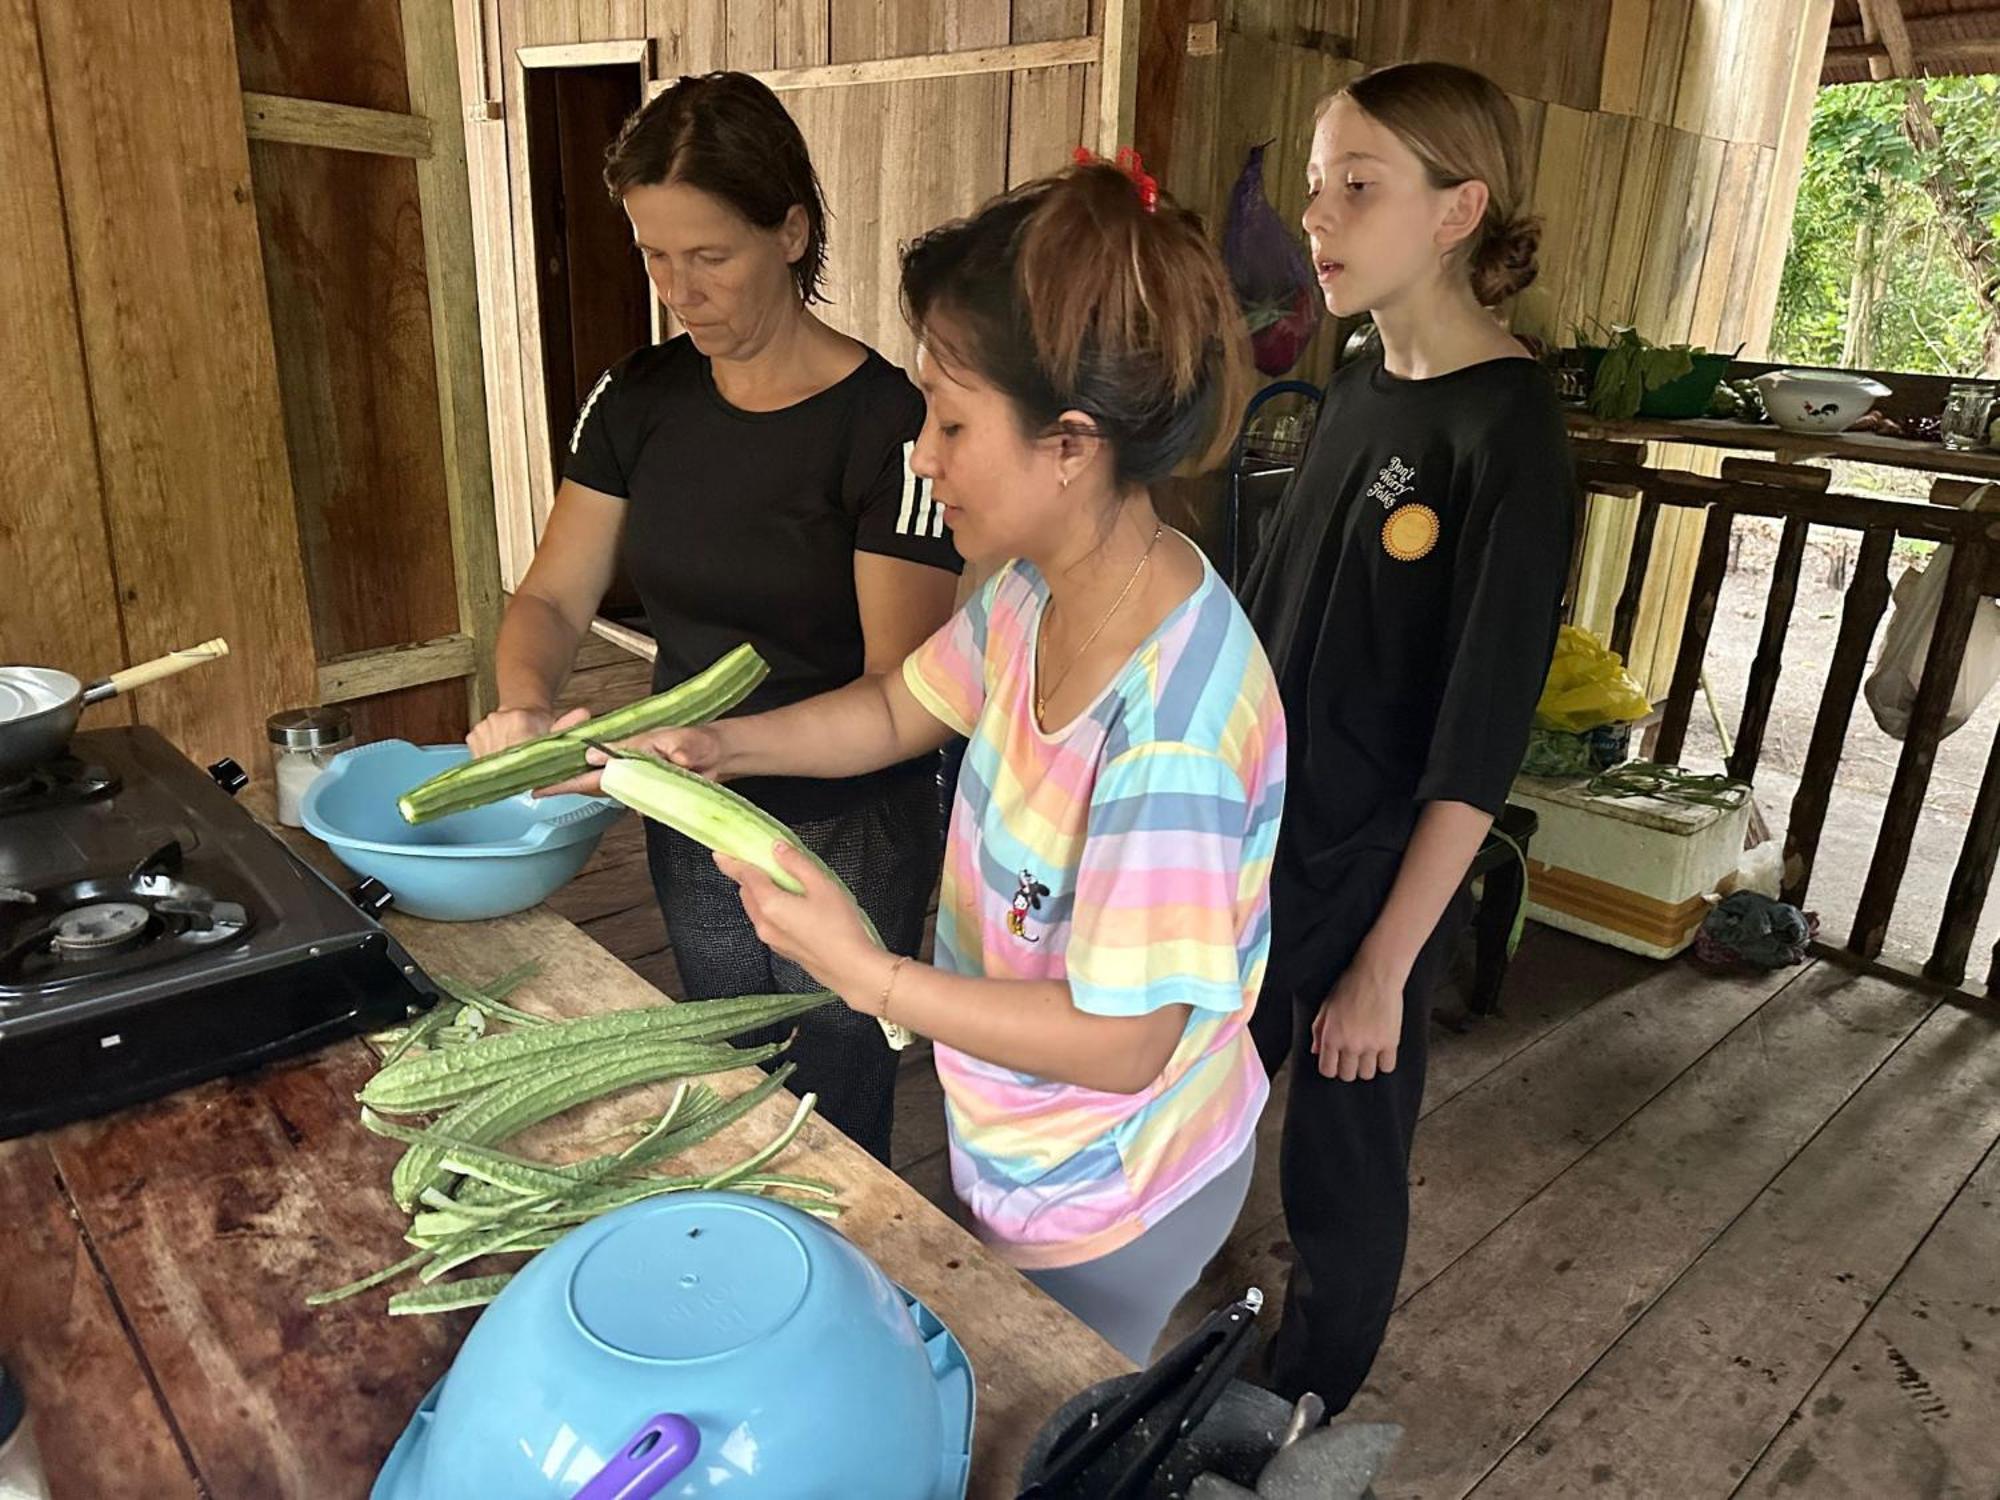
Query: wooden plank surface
{"points": [[1903, 1409], [183, 382], [1742, 1338], [1546, 993], [444, 195], [1483, 1365], [1762, 690], [64, 1341], [215, 1212], [55, 531]]}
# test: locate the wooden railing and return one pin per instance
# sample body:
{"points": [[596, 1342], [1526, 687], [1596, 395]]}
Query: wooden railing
{"points": [[1798, 497]]}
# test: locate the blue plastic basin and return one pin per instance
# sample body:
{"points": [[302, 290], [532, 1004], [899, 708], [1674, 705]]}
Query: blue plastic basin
{"points": [[487, 862], [806, 1371]]}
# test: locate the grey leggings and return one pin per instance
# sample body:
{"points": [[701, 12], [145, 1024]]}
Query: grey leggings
{"points": [[1129, 1294]]}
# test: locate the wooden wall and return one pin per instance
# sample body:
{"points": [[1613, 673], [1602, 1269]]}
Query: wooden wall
{"points": [[915, 112], [239, 403], [1665, 139], [146, 498]]}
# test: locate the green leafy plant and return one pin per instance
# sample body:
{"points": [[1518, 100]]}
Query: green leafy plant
{"points": [[1633, 365]]}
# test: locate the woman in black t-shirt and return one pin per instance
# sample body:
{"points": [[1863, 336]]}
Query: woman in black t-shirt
{"points": [[1408, 597], [754, 474]]}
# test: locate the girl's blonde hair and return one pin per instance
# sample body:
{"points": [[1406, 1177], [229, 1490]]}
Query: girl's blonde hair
{"points": [[1463, 128]]}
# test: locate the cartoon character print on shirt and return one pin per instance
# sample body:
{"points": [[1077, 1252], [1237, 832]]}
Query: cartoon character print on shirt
{"points": [[1411, 530], [1027, 898]]}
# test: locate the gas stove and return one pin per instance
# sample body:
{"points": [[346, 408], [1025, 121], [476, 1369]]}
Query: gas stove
{"points": [[153, 934]]}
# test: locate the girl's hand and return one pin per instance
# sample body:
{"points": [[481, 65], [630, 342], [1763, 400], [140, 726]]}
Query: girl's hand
{"points": [[819, 930], [1360, 1024], [697, 750], [704, 750]]}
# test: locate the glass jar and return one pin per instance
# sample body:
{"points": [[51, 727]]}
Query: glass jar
{"points": [[1969, 413], [303, 740], [21, 1476]]}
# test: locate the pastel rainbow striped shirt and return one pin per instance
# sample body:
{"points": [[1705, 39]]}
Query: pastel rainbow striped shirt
{"points": [[1129, 853]]}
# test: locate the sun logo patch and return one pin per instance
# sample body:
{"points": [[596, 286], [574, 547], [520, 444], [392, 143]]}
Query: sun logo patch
{"points": [[1410, 532]]}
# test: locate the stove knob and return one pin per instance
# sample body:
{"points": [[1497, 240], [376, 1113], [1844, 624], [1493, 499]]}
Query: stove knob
{"points": [[228, 775], [371, 896]]}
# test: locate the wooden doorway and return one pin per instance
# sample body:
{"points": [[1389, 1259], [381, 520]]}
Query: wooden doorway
{"points": [[592, 303]]}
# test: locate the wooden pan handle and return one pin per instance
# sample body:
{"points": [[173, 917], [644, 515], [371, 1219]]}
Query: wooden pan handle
{"points": [[166, 666]]}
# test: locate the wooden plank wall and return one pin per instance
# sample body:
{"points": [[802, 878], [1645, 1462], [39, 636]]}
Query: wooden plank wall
{"points": [[344, 260], [1665, 141], [236, 410], [155, 501], [894, 158]]}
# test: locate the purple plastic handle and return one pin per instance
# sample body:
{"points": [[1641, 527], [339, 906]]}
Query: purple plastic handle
{"points": [[656, 1453]]}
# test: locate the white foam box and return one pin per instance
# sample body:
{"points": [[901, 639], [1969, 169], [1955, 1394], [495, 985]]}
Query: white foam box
{"points": [[1629, 871]]}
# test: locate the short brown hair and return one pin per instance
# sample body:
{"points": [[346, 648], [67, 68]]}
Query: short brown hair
{"points": [[1069, 293], [727, 134], [1463, 128]]}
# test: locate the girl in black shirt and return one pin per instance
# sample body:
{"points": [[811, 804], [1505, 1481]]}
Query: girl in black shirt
{"points": [[1408, 596], [755, 474]]}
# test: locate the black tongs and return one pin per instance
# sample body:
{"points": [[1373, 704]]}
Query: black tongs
{"points": [[1181, 1386]]}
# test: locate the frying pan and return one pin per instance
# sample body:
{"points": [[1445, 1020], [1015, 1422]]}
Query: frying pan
{"points": [[39, 706]]}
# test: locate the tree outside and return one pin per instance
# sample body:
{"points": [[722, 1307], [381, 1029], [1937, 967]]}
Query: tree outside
{"points": [[1895, 256]]}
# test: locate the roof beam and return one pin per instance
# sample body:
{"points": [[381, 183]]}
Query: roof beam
{"points": [[1882, 21]]}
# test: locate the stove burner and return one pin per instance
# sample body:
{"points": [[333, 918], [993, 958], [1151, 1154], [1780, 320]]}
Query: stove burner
{"points": [[89, 929], [56, 784], [93, 929]]}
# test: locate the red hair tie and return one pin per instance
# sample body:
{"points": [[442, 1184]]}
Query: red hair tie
{"points": [[1128, 162]]}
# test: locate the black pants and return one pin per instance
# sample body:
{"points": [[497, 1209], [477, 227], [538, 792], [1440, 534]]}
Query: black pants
{"points": [[1344, 1171], [888, 851]]}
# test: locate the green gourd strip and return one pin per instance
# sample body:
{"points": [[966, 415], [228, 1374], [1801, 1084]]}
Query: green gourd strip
{"points": [[503, 1110], [406, 1097], [353, 1288], [749, 1165], [436, 1079], [559, 755], [474, 1291]]}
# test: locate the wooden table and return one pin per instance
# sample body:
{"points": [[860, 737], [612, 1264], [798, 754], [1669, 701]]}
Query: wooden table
{"points": [[156, 1263], [1758, 437]]}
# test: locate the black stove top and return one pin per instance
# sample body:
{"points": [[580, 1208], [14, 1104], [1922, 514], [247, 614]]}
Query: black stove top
{"points": [[56, 784], [153, 933]]}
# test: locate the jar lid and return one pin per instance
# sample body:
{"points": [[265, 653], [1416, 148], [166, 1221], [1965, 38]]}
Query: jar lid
{"points": [[13, 1405], [310, 728]]}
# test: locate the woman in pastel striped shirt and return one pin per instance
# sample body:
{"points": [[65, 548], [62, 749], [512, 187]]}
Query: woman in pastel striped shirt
{"points": [[1104, 920]]}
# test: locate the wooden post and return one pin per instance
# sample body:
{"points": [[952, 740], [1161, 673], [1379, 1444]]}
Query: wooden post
{"points": [[1770, 649], [1970, 880], [1118, 76], [1707, 589], [1626, 618], [444, 197], [1163, 49], [1926, 728], [1860, 613]]}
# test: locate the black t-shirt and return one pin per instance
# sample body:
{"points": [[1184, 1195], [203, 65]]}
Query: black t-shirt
{"points": [[742, 526], [1408, 594]]}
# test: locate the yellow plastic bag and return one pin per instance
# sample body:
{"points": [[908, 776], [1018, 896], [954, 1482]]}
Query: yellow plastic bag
{"points": [[1588, 686]]}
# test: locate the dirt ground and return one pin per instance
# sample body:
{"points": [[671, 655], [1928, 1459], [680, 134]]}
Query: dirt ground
{"points": [[1869, 764]]}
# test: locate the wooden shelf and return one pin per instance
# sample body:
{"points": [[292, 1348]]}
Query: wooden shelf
{"points": [[1859, 447]]}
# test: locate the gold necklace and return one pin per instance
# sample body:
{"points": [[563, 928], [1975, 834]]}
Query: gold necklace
{"points": [[1041, 692]]}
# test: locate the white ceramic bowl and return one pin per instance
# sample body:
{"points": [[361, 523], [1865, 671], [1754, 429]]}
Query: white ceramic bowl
{"points": [[1818, 400]]}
